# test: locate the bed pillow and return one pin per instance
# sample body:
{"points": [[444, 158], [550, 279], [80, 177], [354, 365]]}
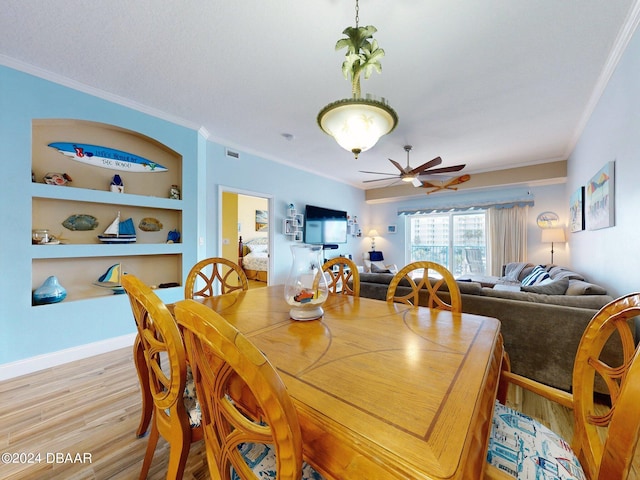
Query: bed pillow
{"points": [[537, 275], [257, 255], [257, 248]]}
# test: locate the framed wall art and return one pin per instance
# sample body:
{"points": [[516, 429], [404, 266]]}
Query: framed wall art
{"points": [[576, 211], [262, 220], [599, 204], [547, 220]]}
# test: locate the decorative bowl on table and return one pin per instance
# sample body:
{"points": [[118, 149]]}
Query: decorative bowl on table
{"points": [[306, 288]]}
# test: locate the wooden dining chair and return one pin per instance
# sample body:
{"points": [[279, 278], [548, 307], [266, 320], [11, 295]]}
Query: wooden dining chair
{"points": [[346, 271], [251, 427], [176, 412], [430, 281], [143, 377], [604, 438], [228, 274]]}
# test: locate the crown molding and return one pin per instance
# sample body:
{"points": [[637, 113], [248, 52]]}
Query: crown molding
{"points": [[95, 92], [619, 46]]}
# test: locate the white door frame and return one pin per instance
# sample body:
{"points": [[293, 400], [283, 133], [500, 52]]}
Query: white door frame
{"points": [[225, 189]]}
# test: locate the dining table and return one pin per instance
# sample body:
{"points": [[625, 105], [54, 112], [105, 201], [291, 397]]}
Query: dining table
{"points": [[383, 390]]}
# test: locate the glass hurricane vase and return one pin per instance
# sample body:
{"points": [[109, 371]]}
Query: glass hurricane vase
{"points": [[306, 287]]}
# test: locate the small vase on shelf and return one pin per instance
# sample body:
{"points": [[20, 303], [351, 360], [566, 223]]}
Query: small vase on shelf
{"points": [[49, 292]]}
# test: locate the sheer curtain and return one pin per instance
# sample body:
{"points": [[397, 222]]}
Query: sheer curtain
{"points": [[508, 236]]}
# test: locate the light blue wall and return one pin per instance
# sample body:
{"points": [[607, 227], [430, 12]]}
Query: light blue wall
{"points": [[610, 255], [27, 331], [286, 185]]}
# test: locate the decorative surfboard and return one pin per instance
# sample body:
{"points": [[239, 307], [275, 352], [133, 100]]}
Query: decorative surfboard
{"points": [[106, 157]]}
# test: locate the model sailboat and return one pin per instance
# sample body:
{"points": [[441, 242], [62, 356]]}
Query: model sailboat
{"points": [[119, 232], [111, 279]]}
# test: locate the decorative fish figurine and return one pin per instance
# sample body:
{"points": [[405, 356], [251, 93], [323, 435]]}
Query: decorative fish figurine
{"points": [[80, 222]]}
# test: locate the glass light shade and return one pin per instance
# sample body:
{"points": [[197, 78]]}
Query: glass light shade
{"points": [[357, 123]]}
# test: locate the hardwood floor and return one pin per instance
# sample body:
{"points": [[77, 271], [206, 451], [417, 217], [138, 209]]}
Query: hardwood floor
{"points": [[92, 408], [89, 407]]}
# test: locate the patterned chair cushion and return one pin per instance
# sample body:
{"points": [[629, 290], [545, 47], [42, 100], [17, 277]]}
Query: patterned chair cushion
{"points": [[526, 449], [262, 460], [191, 401]]}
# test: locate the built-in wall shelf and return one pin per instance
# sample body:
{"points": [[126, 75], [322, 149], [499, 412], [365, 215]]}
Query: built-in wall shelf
{"points": [[71, 251], [42, 190], [80, 259]]}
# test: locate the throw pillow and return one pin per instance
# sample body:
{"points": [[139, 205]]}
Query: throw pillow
{"points": [[578, 287], [376, 256], [376, 269], [556, 287], [537, 275]]}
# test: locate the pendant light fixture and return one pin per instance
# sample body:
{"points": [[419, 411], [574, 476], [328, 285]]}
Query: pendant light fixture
{"points": [[357, 123]]}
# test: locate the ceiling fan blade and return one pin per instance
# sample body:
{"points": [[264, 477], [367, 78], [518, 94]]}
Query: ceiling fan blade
{"points": [[454, 168], [425, 166], [379, 173], [380, 179], [395, 182], [429, 185], [398, 166]]}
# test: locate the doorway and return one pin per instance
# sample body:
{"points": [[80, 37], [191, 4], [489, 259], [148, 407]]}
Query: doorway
{"points": [[246, 232]]}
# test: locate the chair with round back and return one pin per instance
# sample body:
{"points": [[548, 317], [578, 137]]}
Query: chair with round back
{"points": [[604, 438], [430, 280], [341, 270], [229, 275], [230, 372], [145, 391], [176, 412]]}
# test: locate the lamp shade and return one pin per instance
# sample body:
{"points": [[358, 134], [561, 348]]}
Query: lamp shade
{"points": [[373, 233], [358, 123], [553, 235]]}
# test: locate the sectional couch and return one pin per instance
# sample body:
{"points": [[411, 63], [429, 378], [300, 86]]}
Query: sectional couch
{"points": [[541, 330]]}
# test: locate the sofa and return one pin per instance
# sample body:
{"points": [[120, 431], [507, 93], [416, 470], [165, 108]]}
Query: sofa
{"points": [[541, 330]]}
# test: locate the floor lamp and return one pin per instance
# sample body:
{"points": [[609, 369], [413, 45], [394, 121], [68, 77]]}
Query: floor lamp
{"points": [[373, 233], [552, 235]]}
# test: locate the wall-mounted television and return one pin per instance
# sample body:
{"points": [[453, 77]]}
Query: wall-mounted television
{"points": [[324, 226]]}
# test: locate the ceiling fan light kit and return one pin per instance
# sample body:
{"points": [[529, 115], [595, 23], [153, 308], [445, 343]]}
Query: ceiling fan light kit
{"points": [[358, 123], [412, 175]]}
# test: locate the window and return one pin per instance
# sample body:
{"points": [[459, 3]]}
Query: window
{"points": [[455, 240]]}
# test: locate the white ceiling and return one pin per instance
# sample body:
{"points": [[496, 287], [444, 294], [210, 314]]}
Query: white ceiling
{"points": [[492, 83]]}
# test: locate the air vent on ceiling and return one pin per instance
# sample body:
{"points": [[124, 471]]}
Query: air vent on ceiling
{"points": [[232, 154]]}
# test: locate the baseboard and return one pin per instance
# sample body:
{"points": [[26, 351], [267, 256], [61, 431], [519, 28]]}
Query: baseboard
{"points": [[48, 360]]}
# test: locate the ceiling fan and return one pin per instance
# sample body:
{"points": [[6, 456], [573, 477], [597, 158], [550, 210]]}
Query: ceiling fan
{"points": [[408, 174], [450, 184]]}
